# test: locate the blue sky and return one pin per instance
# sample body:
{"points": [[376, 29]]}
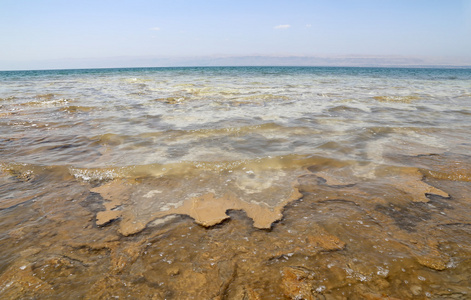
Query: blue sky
{"points": [[42, 31]]}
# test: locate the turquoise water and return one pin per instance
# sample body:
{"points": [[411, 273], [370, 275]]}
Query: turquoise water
{"points": [[151, 143]]}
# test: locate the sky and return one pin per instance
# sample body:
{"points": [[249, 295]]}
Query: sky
{"points": [[115, 33]]}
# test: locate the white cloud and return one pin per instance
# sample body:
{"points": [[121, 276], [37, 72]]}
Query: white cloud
{"points": [[308, 25], [155, 28], [286, 26]]}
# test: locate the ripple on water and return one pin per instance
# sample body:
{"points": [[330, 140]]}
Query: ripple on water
{"points": [[237, 183]]}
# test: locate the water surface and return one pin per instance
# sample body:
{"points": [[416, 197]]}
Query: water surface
{"points": [[255, 182]]}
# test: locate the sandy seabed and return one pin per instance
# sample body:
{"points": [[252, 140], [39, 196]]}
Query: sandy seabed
{"points": [[405, 234]]}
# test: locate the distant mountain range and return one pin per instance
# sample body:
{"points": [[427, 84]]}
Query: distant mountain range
{"points": [[249, 60], [357, 60]]}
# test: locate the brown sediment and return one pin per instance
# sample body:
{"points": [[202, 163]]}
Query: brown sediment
{"points": [[19, 200], [6, 114], [434, 260], [207, 210], [258, 100], [110, 139], [331, 178], [19, 281], [74, 109], [406, 179], [295, 283], [447, 167], [12, 176], [45, 96], [135, 203], [440, 165], [205, 191], [114, 197], [104, 217], [18, 171], [206, 196], [367, 240], [172, 100], [10, 98], [458, 174], [410, 181], [402, 99]]}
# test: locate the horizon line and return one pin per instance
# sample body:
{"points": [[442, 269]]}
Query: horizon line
{"points": [[255, 60], [253, 66]]}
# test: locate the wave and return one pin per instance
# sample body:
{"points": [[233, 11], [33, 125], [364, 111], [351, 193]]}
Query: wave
{"points": [[397, 99], [183, 169], [213, 132], [77, 109]]}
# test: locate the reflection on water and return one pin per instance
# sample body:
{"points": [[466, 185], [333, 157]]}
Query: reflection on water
{"points": [[235, 183]]}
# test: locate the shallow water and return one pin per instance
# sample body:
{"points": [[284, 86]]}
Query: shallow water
{"points": [[235, 183]]}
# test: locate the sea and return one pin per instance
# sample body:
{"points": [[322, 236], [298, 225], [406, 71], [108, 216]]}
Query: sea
{"points": [[235, 183]]}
